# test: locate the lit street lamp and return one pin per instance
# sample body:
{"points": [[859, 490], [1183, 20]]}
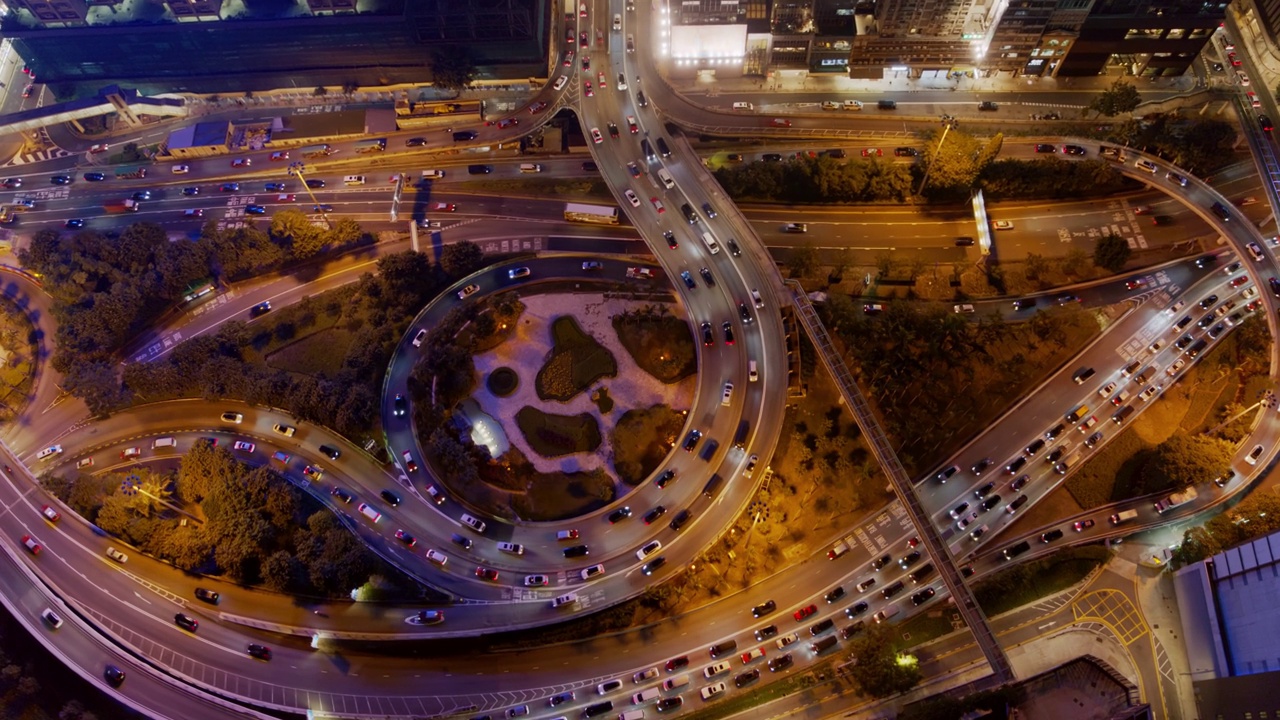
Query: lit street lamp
{"points": [[295, 169], [948, 122]]}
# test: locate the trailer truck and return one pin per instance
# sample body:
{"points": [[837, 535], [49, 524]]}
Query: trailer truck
{"points": [[115, 207], [1176, 499], [1124, 516]]}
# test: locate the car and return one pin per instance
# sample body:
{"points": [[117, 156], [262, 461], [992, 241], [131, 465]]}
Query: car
{"points": [[981, 466], [113, 675], [1135, 283], [576, 551], [804, 612], [274, 187], [654, 514], [1252, 457], [241, 162], [1239, 281], [243, 446], [1046, 148], [880, 562], [485, 573], [1073, 150], [613, 128], [261, 652], [116, 555], [392, 499], [670, 703], [1050, 536], [186, 622], [657, 205], [1002, 224], [586, 90], [946, 473], [600, 79], [1056, 430], [1208, 302], [285, 430], [1013, 467], [771, 157], [32, 545], [906, 152], [255, 209], [440, 558], [261, 308], [341, 494], [1020, 482], [866, 584], [872, 152], [631, 197], [399, 406], [633, 169], [665, 478], [1082, 525], [747, 677], [560, 698], [619, 515], [708, 335], [468, 291], [1106, 390], [560, 82], [74, 223], [677, 662], [94, 177], [60, 180], [519, 273], [1255, 251], [727, 330], [923, 596], [967, 520], [836, 593], [315, 184], [780, 663], [909, 559], [763, 609], [1055, 456], [977, 534], [406, 538]]}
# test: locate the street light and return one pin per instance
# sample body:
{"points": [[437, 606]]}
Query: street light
{"points": [[296, 168], [948, 122]]}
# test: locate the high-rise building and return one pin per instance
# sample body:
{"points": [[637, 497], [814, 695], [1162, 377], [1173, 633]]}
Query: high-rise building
{"points": [[925, 37], [1148, 38]]}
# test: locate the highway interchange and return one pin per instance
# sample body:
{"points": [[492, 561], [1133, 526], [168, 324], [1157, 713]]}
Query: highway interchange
{"points": [[133, 603]]}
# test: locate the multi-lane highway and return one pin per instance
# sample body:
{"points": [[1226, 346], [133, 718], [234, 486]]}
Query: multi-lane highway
{"points": [[134, 602]]}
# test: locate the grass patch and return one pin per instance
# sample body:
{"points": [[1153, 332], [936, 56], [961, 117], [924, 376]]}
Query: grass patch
{"points": [[642, 439], [318, 353], [570, 189], [1094, 483], [928, 626], [553, 435], [1022, 584], [559, 495], [741, 701], [660, 344], [577, 361]]}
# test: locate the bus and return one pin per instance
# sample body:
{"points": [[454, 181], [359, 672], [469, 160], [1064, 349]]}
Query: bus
{"points": [[131, 173], [594, 214], [197, 290], [371, 146], [312, 151]]}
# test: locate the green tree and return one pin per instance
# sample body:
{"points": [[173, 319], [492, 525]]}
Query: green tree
{"points": [[955, 164], [451, 68], [1184, 460], [881, 671], [293, 228], [461, 259], [802, 261], [1121, 97], [1111, 252], [320, 90]]}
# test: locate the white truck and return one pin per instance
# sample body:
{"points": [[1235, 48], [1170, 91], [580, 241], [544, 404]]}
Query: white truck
{"points": [[1124, 516], [1176, 499]]}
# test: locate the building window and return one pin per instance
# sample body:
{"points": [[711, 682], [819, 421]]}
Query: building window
{"points": [[1176, 34]]}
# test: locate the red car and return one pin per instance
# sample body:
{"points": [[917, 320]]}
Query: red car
{"points": [[537, 107], [50, 514], [868, 152], [804, 612], [31, 544], [406, 538], [485, 573]]}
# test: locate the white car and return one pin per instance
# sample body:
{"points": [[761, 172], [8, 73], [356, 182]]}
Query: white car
{"points": [[560, 82], [632, 198], [242, 445], [468, 291], [181, 169], [535, 580], [727, 396], [116, 555], [1255, 250], [1002, 224], [786, 640], [1252, 457], [649, 548], [437, 557], [510, 548], [1145, 165], [713, 670], [1107, 389], [592, 571], [1176, 366], [597, 138], [1249, 292]]}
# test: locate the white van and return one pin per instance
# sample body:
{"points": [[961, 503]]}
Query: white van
{"points": [[473, 523], [675, 682], [569, 599], [432, 174], [645, 696], [49, 452], [852, 105], [353, 180], [633, 714], [710, 242], [530, 168], [164, 442], [367, 510], [743, 106], [666, 179]]}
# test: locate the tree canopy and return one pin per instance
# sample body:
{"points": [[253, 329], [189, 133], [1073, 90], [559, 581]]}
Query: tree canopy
{"points": [[1184, 460], [1111, 252], [880, 671], [1121, 97]]}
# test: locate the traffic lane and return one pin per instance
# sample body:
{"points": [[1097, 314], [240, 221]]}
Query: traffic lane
{"points": [[1042, 410]]}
